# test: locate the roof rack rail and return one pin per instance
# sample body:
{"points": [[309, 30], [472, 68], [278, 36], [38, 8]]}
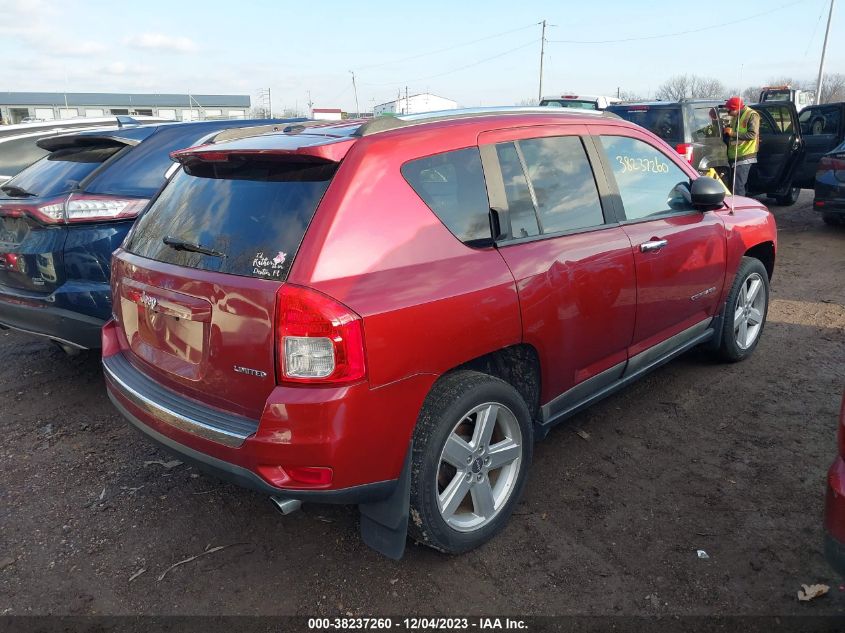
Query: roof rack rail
{"points": [[387, 122]]}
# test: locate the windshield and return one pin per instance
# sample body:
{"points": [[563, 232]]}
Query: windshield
{"points": [[663, 121], [62, 171], [243, 217], [570, 103], [776, 95]]}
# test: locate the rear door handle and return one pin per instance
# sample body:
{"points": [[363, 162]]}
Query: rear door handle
{"points": [[653, 246]]}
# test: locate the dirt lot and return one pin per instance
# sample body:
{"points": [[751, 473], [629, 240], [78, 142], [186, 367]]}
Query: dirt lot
{"points": [[728, 459]]}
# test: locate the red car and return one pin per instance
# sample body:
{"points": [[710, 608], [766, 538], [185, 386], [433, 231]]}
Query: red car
{"points": [[390, 313], [834, 510]]}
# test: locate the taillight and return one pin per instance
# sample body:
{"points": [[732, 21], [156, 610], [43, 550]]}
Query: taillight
{"points": [[87, 208], [685, 150], [78, 208], [318, 340]]}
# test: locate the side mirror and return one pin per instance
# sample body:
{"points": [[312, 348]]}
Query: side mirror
{"points": [[707, 193]]}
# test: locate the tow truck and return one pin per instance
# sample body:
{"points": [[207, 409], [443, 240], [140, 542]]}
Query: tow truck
{"points": [[801, 98]]}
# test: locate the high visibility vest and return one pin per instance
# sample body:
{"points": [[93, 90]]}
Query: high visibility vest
{"points": [[737, 150]]}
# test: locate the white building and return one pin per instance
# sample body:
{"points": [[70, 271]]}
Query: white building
{"points": [[327, 114], [415, 104], [48, 106]]}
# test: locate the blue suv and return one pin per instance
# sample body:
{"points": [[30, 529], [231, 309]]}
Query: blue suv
{"points": [[63, 216]]}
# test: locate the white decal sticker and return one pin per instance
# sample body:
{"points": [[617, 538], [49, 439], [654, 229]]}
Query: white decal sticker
{"points": [[263, 266]]}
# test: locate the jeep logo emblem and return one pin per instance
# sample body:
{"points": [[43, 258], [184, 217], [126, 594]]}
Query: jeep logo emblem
{"points": [[147, 301]]}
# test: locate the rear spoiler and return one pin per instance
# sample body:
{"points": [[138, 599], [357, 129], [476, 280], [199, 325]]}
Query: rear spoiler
{"points": [[69, 141], [269, 147]]}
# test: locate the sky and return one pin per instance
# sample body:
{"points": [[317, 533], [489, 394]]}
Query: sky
{"points": [[475, 53]]}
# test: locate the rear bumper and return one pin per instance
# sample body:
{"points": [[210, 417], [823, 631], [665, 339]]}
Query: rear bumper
{"points": [[829, 207], [44, 319], [361, 434], [246, 478]]}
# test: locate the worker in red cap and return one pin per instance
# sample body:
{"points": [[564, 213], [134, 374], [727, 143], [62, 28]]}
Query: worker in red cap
{"points": [[743, 139]]}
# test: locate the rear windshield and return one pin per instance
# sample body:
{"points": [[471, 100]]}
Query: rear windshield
{"points": [[570, 103], [62, 171], [251, 214], [665, 122]]}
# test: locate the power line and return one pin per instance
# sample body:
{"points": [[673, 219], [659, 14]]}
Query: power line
{"points": [[460, 68], [448, 48], [678, 33]]}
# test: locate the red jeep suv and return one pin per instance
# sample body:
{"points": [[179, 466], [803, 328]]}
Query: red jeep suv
{"points": [[389, 313]]}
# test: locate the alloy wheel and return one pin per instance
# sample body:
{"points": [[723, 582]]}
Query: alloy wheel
{"points": [[749, 310], [479, 467]]}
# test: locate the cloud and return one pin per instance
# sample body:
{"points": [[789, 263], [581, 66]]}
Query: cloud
{"points": [[162, 42]]}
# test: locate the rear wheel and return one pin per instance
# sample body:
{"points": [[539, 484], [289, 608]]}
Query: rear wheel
{"points": [[790, 198], [472, 449], [745, 311]]}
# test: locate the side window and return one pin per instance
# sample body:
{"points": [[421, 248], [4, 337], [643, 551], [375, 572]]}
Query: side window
{"points": [[564, 187], [452, 185], [705, 124], [649, 182], [781, 118], [815, 121], [520, 204]]}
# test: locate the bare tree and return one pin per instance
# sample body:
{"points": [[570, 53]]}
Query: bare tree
{"points": [[833, 88], [690, 87], [629, 95], [526, 102]]}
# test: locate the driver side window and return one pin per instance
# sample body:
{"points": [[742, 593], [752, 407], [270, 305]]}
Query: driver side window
{"points": [[649, 182]]}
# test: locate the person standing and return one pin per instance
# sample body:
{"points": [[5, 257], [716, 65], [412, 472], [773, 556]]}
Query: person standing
{"points": [[742, 137]]}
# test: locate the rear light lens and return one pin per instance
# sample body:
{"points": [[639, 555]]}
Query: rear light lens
{"points": [[79, 208], [318, 340], [685, 150], [287, 476], [92, 208]]}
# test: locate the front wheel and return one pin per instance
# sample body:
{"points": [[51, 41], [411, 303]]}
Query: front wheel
{"points": [[745, 311], [472, 449]]}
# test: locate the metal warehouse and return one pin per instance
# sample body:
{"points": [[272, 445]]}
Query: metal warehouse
{"points": [[17, 106]]}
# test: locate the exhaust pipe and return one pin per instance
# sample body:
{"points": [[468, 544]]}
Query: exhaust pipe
{"points": [[286, 506]]}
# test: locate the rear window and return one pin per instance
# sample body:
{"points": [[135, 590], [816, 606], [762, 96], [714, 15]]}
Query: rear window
{"points": [[452, 185], [662, 121], [252, 213], [62, 171], [570, 103]]}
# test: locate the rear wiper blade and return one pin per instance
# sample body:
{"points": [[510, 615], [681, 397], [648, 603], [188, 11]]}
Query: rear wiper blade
{"points": [[184, 245], [17, 192]]}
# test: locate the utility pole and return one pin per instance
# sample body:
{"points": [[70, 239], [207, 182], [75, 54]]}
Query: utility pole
{"points": [[310, 106], [542, 52], [824, 49], [269, 104], [355, 90], [407, 105]]}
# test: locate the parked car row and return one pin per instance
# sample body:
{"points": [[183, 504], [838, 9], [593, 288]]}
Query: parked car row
{"points": [[386, 313], [63, 216]]}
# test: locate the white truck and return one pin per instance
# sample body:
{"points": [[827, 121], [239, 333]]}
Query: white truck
{"points": [[584, 102], [801, 98]]}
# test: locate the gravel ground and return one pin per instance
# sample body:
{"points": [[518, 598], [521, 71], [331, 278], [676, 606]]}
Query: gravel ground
{"points": [[730, 459]]}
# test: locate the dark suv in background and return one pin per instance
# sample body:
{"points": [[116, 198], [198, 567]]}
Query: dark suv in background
{"points": [[63, 216], [693, 127]]}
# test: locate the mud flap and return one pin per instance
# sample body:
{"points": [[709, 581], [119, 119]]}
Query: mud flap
{"points": [[384, 524], [715, 342]]}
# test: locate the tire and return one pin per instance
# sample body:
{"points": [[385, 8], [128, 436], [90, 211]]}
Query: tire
{"points": [[452, 411], [739, 342], [790, 198]]}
